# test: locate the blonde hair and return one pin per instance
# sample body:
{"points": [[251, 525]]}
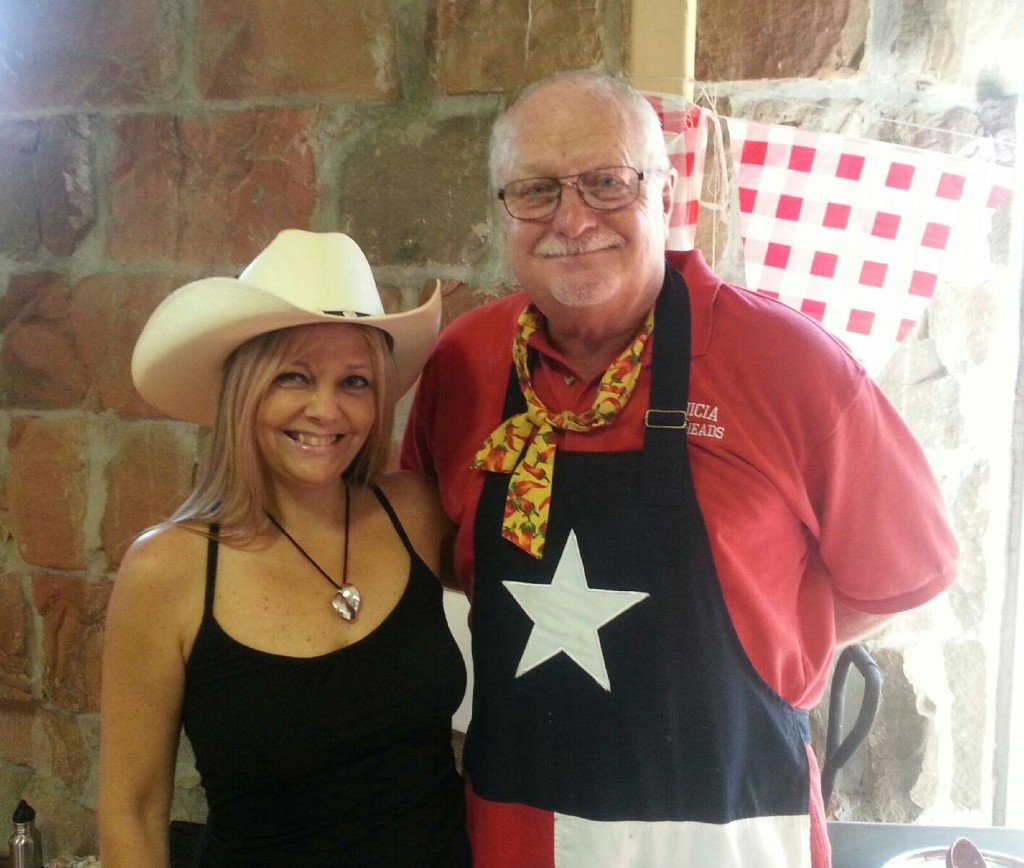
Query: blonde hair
{"points": [[232, 486]]}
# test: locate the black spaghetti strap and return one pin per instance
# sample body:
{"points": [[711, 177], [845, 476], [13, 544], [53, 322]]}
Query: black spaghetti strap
{"points": [[212, 547], [389, 509]]}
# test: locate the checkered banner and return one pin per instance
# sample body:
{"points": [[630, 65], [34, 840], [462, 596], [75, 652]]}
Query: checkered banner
{"points": [[685, 125], [856, 233]]}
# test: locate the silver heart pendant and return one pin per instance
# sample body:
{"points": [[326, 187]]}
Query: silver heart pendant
{"points": [[347, 602]]}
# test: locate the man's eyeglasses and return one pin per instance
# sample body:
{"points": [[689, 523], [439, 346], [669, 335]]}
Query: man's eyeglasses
{"points": [[606, 189]]}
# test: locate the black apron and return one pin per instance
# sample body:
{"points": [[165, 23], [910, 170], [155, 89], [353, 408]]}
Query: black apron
{"points": [[684, 728]]}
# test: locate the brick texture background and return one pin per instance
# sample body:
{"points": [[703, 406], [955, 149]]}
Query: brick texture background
{"points": [[145, 143]]}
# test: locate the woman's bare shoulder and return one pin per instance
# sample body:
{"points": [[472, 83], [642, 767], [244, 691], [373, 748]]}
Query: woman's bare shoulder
{"points": [[411, 491], [407, 483], [164, 558], [157, 599], [418, 505]]}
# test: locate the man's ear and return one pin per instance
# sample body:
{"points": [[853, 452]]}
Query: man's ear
{"points": [[666, 192]]}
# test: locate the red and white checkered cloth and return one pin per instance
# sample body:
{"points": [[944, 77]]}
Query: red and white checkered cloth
{"points": [[857, 233], [686, 137]]}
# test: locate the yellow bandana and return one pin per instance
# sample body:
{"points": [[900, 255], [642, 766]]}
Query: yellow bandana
{"points": [[523, 445]]}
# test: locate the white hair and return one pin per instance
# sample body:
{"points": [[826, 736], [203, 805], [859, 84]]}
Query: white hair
{"points": [[646, 124]]}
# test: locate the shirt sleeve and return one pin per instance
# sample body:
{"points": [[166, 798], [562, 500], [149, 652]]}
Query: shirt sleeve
{"points": [[416, 452], [884, 533]]}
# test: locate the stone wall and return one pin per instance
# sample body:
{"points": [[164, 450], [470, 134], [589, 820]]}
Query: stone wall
{"points": [[144, 143]]}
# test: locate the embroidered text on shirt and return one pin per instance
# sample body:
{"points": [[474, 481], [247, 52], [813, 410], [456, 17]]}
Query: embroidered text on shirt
{"points": [[696, 411]]}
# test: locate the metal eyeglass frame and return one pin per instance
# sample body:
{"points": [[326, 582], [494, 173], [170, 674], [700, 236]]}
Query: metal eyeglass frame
{"points": [[574, 181]]}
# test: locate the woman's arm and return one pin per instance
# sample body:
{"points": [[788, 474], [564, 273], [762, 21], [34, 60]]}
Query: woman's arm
{"points": [[141, 698]]}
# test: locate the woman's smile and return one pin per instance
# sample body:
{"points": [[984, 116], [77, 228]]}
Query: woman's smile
{"points": [[319, 408]]}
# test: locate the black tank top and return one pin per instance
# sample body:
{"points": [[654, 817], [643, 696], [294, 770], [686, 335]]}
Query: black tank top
{"points": [[339, 760]]}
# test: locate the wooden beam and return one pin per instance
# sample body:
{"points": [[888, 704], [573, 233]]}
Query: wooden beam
{"points": [[662, 43]]}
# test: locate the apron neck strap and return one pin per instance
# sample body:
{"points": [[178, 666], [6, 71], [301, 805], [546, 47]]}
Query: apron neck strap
{"points": [[665, 466]]}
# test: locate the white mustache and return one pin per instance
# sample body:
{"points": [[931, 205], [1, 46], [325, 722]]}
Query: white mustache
{"points": [[599, 239]]}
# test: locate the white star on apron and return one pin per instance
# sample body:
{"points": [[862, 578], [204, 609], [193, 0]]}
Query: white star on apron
{"points": [[567, 614]]}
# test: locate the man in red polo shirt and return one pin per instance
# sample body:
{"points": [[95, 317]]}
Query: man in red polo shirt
{"points": [[674, 499]]}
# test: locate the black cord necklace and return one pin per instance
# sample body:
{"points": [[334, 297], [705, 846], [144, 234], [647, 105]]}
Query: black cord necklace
{"points": [[346, 601]]}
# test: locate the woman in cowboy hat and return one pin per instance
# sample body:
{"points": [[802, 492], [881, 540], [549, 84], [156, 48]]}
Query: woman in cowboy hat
{"points": [[288, 614]]}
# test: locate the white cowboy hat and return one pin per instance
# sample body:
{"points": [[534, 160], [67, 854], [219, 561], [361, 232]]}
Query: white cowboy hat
{"points": [[301, 278]]}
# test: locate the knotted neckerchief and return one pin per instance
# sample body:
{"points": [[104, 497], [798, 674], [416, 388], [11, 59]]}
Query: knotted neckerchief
{"points": [[523, 445]]}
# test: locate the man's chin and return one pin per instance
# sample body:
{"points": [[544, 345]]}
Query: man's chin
{"points": [[582, 294]]}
